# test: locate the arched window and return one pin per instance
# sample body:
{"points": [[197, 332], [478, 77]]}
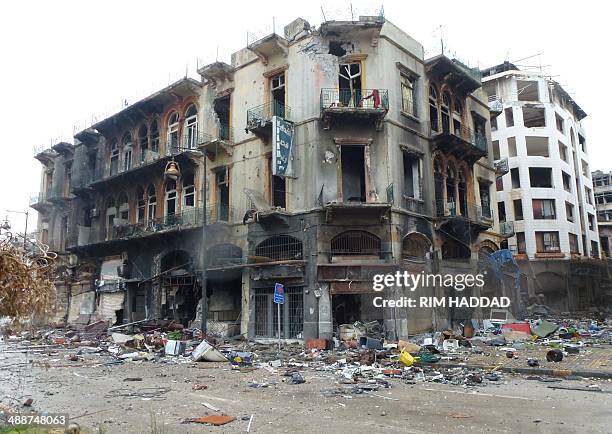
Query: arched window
{"points": [[457, 117], [151, 203], [154, 136], [188, 191], [446, 102], [114, 157], [451, 184], [140, 199], [126, 142], [439, 186], [433, 108], [170, 197], [124, 207], [462, 190], [280, 248], [356, 243], [172, 139], [415, 247], [191, 127], [143, 142]]}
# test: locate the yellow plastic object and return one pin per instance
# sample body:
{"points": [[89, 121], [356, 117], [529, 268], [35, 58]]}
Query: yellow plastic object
{"points": [[406, 358]]}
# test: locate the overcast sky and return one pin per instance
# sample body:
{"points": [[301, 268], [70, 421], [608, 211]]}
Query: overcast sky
{"points": [[65, 62]]}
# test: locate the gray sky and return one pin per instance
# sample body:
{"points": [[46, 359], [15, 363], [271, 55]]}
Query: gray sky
{"points": [[65, 62]]}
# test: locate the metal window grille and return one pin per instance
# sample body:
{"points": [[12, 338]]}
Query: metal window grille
{"points": [[292, 313], [280, 248], [355, 243]]}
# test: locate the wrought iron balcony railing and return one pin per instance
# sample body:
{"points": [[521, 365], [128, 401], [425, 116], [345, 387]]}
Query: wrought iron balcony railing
{"points": [[413, 204], [364, 99], [475, 138], [259, 116], [506, 228]]}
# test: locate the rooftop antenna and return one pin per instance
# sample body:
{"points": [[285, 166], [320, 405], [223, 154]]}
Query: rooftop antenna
{"points": [[273, 26], [441, 40], [323, 13], [352, 17]]}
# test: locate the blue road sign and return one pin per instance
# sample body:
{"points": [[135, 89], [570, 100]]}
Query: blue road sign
{"points": [[279, 294]]}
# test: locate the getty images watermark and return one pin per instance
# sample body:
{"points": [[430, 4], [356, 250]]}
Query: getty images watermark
{"points": [[413, 281]]}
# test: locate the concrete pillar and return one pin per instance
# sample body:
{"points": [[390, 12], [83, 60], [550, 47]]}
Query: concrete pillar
{"points": [[326, 327]]}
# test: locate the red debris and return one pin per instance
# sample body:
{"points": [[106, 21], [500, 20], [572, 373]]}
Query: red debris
{"points": [[215, 419]]}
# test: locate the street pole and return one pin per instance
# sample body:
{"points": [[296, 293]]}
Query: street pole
{"points": [[203, 298]]}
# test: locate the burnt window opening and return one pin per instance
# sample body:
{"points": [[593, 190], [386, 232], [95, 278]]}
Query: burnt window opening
{"points": [[224, 254], [124, 208], [457, 116], [412, 175], [172, 139], [445, 110], [356, 243], [353, 173], [188, 191], [222, 193], [114, 157], [110, 217], [151, 203], [222, 110], [140, 205], [170, 197], [279, 191], [67, 178], [462, 189], [439, 186], [277, 87], [534, 117], [280, 248], [581, 141], [540, 177], [143, 142], [433, 108], [349, 83], [415, 247], [451, 181], [154, 136], [452, 249], [126, 141], [191, 127], [569, 212], [501, 211], [515, 178], [335, 48]]}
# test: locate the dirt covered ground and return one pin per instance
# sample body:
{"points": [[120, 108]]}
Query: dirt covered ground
{"points": [[102, 395]]}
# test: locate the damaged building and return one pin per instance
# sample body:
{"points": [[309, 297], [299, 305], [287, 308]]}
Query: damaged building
{"points": [[316, 159]]}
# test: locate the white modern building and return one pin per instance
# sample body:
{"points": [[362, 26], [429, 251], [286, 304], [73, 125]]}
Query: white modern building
{"points": [[603, 202], [547, 192]]}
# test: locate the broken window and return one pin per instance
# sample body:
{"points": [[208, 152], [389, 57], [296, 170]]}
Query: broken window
{"points": [[349, 83], [515, 178], [280, 248], [540, 177], [543, 209], [191, 127], [154, 136], [563, 152], [278, 188], [536, 146], [151, 203], [521, 246], [567, 181], [124, 208], [114, 157], [534, 117], [277, 87], [527, 90], [412, 176], [518, 209], [170, 197], [408, 101], [547, 242], [509, 115], [126, 141], [560, 123], [188, 191], [172, 139], [140, 205], [451, 180], [433, 108], [485, 199], [569, 212], [356, 243], [222, 110], [512, 147], [222, 193], [415, 247], [143, 142], [353, 173], [501, 211], [445, 110], [457, 117]]}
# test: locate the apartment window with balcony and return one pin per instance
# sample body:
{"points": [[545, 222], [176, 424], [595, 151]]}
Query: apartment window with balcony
{"points": [[191, 127], [567, 181], [515, 177], [573, 243], [518, 209], [445, 110], [170, 198], [127, 151], [114, 157], [151, 203], [188, 191], [521, 246], [509, 116], [223, 193], [501, 211], [543, 209], [547, 242], [154, 136], [485, 199], [569, 212], [140, 205], [540, 177], [433, 108], [172, 139], [143, 142], [408, 101]]}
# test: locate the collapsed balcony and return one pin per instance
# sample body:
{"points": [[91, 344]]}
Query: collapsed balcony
{"points": [[259, 119], [354, 105]]}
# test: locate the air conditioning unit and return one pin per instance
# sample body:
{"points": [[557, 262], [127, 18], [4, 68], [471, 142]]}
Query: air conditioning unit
{"points": [[94, 212]]}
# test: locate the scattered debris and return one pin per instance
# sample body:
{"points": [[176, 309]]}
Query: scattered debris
{"points": [[214, 419]]}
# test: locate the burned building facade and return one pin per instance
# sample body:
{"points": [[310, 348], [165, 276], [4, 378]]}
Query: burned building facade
{"points": [[387, 166]]}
